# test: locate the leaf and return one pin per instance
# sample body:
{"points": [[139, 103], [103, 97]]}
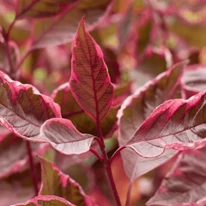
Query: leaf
{"points": [[61, 29], [177, 124], [155, 61], [54, 182], [135, 109], [20, 182], [64, 137], [46, 201], [23, 109], [95, 92], [41, 8], [10, 163], [72, 111], [194, 80], [185, 183]]}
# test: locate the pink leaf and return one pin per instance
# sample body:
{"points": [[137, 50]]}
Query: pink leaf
{"points": [[23, 109], [194, 80], [54, 182], [177, 124], [47, 200], [185, 183], [61, 28], [135, 109], [10, 163], [64, 137], [90, 82]]}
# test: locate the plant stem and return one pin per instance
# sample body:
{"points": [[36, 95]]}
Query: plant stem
{"points": [[107, 164], [32, 168], [96, 154]]}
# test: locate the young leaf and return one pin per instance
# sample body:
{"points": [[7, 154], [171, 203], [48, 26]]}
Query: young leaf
{"points": [[90, 82], [185, 183], [177, 124], [135, 109], [64, 137], [47, 200], [61, 28], [54, 182], [23, 109], [42, 8]]}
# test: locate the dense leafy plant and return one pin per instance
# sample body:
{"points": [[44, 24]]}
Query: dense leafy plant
{"points": [[102, 102]]}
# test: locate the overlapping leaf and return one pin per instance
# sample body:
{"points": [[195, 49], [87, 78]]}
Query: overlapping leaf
{"points": [[61, 28], [64, 137], [90, 83], [177, 124], [23, 109], [41, 8], [135, 109], [54, 182], [72, 111], [10, 163], [48, 200], [185, 183]]}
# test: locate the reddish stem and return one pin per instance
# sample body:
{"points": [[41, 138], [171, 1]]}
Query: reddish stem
{"points": [[96, 154], [107, 164], [32, 168]]}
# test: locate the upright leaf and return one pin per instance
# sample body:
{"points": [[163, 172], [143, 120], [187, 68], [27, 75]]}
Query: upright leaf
{"points": [[135, 109], [54, 182], [48, 200], [185, 183], [41, 8], [61, 28], [23, 109], [64, 137], [90, 82], [177, 124]]}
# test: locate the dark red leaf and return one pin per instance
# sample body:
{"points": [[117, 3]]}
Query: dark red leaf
{"points": [[90, 82]]}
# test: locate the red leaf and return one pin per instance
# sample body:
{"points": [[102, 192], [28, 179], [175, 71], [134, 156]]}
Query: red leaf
{"points": [[23, 109], [64, 137], [47, 200], [177, 124], [90, 81], [54, 182], [185, 183]]}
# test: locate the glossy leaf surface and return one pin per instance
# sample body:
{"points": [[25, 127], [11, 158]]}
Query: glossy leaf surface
{"points": [[185, 183], [47, 200], [64, 137], [22, 109], [61, 28], [54, 182], [90, 82]]}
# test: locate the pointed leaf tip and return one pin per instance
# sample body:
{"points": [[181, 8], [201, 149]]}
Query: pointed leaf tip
{"points": [[90, 82]]}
